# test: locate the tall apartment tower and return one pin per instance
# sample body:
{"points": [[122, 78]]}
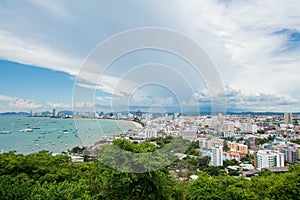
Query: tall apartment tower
{"points": [[267, 158], [290, 153], [288, 117], [216, 156]]}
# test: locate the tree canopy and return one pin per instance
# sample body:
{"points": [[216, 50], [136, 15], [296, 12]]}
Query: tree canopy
{"points": [[43, 176]]}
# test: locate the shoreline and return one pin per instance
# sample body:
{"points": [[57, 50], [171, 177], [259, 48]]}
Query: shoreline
{"points": [[51, 138], [137, 125], [98, 143]]}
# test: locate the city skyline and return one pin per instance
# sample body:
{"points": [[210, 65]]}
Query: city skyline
{"points": [[254, 46]]}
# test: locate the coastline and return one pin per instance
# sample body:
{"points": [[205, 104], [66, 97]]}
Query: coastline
{"points": [[57, 135], [136, 124], [98, 143]]}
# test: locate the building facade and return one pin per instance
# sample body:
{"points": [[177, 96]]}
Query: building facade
{"points": [[237, 147], [290, 153], [288, 119], [267, 158], [150, 133], [216, 156]]}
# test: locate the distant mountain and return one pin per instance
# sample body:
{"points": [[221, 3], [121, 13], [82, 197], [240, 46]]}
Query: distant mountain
{"points": [[259, 113], [15, 113], [66, 112]]}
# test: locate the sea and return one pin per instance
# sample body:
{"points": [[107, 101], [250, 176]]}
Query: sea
{"points": [[56, 134]]}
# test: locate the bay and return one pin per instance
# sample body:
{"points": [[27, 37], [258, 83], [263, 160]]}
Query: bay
{"points": [[55, 134]]}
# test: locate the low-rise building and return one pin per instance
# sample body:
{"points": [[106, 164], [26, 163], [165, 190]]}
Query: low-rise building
{"points": [[77, 159], [232, 156], [237, 147]]}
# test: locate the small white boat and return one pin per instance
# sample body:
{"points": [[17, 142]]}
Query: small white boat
{"points": [[26, 130], [34, 127], [6, 132]]}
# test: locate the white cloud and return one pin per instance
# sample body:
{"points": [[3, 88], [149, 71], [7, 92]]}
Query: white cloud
{"points": [[55, 8], [7, 98], [140, 100], [237, 100], [9, 104], [239, 36], [59, 105], [23, 105], [83, 105], [31, 52]]}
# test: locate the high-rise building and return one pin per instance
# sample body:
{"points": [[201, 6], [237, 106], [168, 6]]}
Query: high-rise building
{"points": [[150, 133], [216, 156], [53, 113], [290, 153], [267, 158], [288, 117]]}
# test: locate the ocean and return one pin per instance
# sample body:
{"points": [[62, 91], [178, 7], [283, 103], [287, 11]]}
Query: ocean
{"points": [[55, 134]]}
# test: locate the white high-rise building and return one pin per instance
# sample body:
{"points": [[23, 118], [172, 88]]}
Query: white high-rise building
{"points": [[216, 156], [150, 133], [267, 158], [288, 117]]}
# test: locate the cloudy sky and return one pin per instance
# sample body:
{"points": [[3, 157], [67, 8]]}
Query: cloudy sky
{"points": [[44, 46]]}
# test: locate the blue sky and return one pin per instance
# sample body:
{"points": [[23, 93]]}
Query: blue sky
{"points": [[254, 45]]}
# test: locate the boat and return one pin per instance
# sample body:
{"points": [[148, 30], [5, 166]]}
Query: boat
{"points": [[5, 132], [34, 127], [65, 131], [26, 130]]}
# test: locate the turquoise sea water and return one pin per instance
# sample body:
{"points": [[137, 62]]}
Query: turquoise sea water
{"points": [[54, 134]]}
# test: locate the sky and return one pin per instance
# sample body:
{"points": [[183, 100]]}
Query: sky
{"points": [[46, 46]]}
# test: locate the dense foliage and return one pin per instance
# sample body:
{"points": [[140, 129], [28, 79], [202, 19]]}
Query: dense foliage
{"points": [[43, 176], [265, 186]]}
